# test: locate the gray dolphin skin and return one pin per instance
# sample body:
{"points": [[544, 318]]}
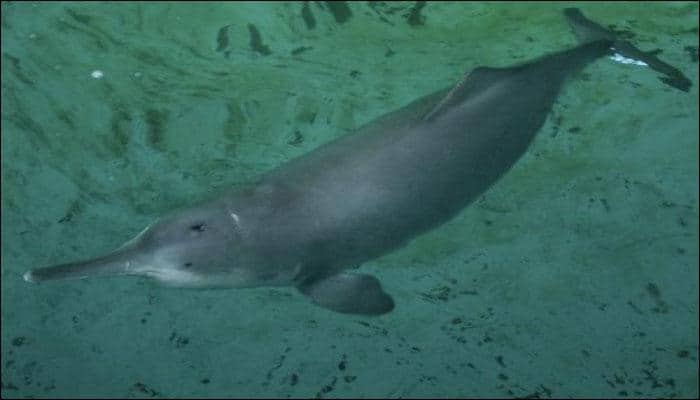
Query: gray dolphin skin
{"points": [[310, 220]]}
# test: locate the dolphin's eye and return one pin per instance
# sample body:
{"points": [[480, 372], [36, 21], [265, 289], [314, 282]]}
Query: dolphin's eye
{"points": [[197, 227]]}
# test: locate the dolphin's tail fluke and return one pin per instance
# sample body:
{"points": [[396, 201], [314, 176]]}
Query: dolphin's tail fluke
{"points": [[585, 29], [588, 31]]}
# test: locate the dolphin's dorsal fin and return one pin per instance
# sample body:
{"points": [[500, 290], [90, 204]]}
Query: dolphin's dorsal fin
{"points": [[473, 82]]}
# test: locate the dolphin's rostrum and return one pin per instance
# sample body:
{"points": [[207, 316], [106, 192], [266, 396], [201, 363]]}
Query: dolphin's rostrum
{"points": [[363, 195]]}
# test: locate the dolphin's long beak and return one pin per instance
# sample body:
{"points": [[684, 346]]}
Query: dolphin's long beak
{"points": [[118, 262]]}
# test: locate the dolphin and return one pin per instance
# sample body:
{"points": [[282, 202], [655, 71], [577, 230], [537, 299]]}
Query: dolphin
{"points": [[312, 220]]}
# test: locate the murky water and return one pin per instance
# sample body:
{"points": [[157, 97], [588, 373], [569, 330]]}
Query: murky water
{"points": [[576, 275]]}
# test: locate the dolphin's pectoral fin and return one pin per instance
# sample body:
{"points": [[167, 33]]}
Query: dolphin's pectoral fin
{"points": [[350, 294], [472, 83]]}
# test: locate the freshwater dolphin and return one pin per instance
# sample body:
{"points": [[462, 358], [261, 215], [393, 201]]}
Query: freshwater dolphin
{"points": [[310, 220]]}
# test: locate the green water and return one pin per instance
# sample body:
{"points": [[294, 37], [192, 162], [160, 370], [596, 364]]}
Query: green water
{"points": [[576, 275]]}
